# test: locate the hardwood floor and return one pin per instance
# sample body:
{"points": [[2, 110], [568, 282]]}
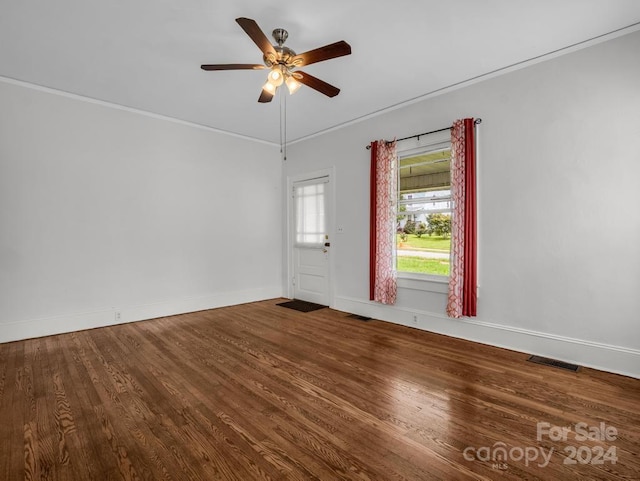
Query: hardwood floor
{"points": [[257, 392]]}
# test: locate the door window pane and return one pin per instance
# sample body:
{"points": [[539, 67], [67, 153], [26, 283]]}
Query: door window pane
{"points": [[310, 213]]}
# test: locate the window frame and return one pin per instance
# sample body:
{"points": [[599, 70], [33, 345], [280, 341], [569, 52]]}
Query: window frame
{"points": [[412, 148]]}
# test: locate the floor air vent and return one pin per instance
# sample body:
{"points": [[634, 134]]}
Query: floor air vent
{"points": [[554, 363], [360, 318]]}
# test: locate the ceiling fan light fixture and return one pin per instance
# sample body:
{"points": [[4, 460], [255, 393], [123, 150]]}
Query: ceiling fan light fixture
{"points": [[276, 76], [269, 87], [293, 85]]}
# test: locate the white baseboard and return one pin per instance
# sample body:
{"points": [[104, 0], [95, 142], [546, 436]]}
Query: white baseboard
{"points": [[605, 357], [27, 329]]}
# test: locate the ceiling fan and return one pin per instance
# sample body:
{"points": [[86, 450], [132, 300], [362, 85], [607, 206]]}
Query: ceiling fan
{"points": [[284, 62]]}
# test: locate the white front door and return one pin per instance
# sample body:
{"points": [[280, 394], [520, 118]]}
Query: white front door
{"points": [[310, 240]]}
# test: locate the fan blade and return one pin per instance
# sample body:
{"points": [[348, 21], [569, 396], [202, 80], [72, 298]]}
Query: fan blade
{"points": [[260, 39], [232, 66], [316, 84], [265, 97], [327, 52]]}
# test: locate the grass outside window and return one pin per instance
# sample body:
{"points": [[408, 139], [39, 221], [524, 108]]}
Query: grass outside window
{"points": [[438, 267], [423, 244], [434, 243]]}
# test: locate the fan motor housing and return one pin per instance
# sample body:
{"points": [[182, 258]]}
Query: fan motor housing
{"points": [[284, 56]]}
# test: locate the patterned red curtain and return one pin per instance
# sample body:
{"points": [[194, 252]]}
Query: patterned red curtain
{"points": [[463, 297], [384, 188]]}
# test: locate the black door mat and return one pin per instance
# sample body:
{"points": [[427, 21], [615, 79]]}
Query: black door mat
{"points": [[359, 317], [302, 306], [554, 363]]}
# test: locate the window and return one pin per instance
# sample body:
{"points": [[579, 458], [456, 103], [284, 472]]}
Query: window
{"points": [[424, 208], [310, 212]]}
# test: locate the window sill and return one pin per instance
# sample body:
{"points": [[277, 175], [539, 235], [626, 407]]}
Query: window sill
{"points": [[423, 282]]}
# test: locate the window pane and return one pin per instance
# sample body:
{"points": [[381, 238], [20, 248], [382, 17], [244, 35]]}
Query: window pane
{"points": [[310, 214], [424, 213]]}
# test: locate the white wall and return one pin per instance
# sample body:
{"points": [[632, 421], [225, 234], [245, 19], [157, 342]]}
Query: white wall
{"points": [[104, 210], [559, 168]]}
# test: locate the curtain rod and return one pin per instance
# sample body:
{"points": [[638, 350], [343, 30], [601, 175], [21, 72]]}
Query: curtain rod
{"points": [[475, 122]]}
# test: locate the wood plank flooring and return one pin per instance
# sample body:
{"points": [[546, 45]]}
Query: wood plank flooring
{"points": [[260, 392]]}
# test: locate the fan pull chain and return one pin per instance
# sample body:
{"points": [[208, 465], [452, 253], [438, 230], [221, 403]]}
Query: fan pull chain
{"points": [[280, 123], [283, 124]]}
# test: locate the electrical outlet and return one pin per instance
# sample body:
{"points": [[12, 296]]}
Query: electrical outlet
{"points": [[415, 319], [118, 316]]}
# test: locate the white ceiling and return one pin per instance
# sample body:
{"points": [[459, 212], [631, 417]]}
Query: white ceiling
{"points": [[146, 54]]}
